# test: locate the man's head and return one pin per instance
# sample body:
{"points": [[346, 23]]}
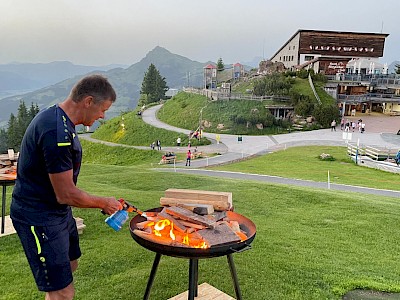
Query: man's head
{"points": [[96, 86], [94, 95]]}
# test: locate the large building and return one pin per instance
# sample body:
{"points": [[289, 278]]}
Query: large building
{"points": [[328, 52]]}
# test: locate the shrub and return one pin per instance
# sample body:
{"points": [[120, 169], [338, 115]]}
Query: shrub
{"points": [[326, 157]]}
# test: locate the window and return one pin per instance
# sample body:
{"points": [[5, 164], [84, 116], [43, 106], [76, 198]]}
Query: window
{"points": [[308, 57]]}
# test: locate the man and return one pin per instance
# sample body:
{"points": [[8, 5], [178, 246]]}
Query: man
{"points": [[45, 189]]}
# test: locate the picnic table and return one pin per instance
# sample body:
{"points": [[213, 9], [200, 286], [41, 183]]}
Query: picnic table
{"points": [[5, 180]]}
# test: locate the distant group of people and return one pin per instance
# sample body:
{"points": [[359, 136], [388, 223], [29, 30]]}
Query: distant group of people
{"points": [[155, 144], [347, 125]]}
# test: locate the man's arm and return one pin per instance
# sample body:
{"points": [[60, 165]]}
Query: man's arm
{"points": [[67, 193]]}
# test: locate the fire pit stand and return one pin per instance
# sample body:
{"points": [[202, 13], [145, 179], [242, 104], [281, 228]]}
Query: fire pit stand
{"points": [[194, 254], [193, 277]]}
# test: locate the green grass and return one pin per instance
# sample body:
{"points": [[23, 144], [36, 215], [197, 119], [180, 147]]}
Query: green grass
{"points": [[302, 86], [310, 244], [137, 133], [183, 111], [303, 163]]}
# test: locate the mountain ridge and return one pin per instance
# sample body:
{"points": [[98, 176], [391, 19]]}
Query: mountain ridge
{"points": [[178, 70]]}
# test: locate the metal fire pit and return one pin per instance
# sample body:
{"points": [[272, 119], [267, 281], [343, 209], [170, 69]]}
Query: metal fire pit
{"points": [[194, 254]]}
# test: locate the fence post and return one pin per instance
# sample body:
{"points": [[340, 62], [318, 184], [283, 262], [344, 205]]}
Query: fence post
{"points": [[329, 182]]}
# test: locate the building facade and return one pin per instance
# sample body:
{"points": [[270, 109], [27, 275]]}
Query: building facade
{"points": [[328, 52]]}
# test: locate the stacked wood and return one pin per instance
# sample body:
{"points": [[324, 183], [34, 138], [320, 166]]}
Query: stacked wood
{"points": [[185, 214], [219, 200], [200, 209], [79, 224], [219, 235], [213, 229], [8, 162]]}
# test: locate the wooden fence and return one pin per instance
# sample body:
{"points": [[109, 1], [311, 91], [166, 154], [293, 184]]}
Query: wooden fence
{"points": [[373, 153]]}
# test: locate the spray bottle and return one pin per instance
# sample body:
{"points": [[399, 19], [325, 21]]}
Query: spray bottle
{"points": [[117, 219]]}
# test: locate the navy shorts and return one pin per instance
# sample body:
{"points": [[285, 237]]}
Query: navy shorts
{"points": [[49, 250]]}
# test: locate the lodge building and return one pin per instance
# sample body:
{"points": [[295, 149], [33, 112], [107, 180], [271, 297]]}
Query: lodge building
{"points": [[328, 52]]}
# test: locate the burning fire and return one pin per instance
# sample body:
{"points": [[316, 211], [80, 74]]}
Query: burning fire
{"points": [[165, 229]]}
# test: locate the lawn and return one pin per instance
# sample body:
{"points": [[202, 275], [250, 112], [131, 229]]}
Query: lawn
{"points": [[303, 163], [310, 244]]}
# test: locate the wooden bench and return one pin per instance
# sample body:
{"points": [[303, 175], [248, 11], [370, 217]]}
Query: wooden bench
{"points": [[197, 155], [168, 160]]}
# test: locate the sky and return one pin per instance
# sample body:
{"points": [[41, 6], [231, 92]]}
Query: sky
{"points": [[102, 32]]}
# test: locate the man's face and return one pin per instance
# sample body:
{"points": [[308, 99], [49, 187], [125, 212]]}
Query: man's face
{"points": [[96, 111]]}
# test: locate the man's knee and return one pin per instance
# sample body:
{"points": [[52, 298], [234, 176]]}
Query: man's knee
{"points": [[66, 293]]}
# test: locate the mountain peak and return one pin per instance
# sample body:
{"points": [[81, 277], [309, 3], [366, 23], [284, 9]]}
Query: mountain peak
{"points": [[157, 52]]}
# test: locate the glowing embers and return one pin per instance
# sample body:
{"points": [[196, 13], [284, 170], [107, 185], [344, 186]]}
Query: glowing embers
{"points": [[164, 229]]}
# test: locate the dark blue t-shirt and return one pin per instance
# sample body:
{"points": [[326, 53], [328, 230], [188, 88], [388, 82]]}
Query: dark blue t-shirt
{"points": [[50, 145]]}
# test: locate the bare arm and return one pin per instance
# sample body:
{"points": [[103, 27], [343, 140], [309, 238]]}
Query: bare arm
{"points": [[67, 193]]}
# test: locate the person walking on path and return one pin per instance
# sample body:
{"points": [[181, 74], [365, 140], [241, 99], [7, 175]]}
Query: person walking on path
{"points": [[347, 125], [188, 157], [333, 125], [362, 127], [45, 190], [158, 143]]}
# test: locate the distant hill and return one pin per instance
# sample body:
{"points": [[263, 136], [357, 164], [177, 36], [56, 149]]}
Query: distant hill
{"points": [[29, 76], [179, 71]]}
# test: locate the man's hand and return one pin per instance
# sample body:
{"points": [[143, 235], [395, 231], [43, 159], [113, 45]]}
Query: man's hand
{"points": [[111, 205]]}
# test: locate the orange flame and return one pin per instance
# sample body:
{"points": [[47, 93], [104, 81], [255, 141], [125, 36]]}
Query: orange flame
{"points": [[165, 229]]}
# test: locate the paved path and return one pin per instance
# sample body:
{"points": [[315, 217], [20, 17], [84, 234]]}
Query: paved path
{"points": [[382, 134]]}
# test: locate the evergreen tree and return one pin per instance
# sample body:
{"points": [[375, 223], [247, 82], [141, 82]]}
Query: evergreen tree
{"points": [[3, 140], [12, 133], [154, 85], [33, 111], [17, 126], [220, 65], [397, 69]]}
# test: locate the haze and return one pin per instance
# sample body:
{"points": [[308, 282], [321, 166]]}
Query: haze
{"points": [[101, 32]]}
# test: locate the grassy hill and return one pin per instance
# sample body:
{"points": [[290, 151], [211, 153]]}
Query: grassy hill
{"points": [[137, 133], [311, 244], [183, 111], [237, 116]]}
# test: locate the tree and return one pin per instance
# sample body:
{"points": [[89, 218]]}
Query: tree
{"points": [[17, 125], [154, 85], [3, 140], [397, 69], [220, 65], [324, 114]]}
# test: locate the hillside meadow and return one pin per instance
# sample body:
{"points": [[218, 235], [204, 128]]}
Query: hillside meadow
{"points": [[310, 244], [135, 132]]}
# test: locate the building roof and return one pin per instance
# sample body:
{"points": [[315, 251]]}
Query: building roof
{"points": [[327, 31], [210, 66]]}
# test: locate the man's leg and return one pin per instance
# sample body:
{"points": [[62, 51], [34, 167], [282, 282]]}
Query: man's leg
{"points": [[66, 293]]}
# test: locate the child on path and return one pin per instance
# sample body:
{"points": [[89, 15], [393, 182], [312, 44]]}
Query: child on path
{"points": [[188, 158]]}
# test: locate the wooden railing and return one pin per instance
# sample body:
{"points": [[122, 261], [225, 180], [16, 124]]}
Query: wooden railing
{"points": [[371, 152]]}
